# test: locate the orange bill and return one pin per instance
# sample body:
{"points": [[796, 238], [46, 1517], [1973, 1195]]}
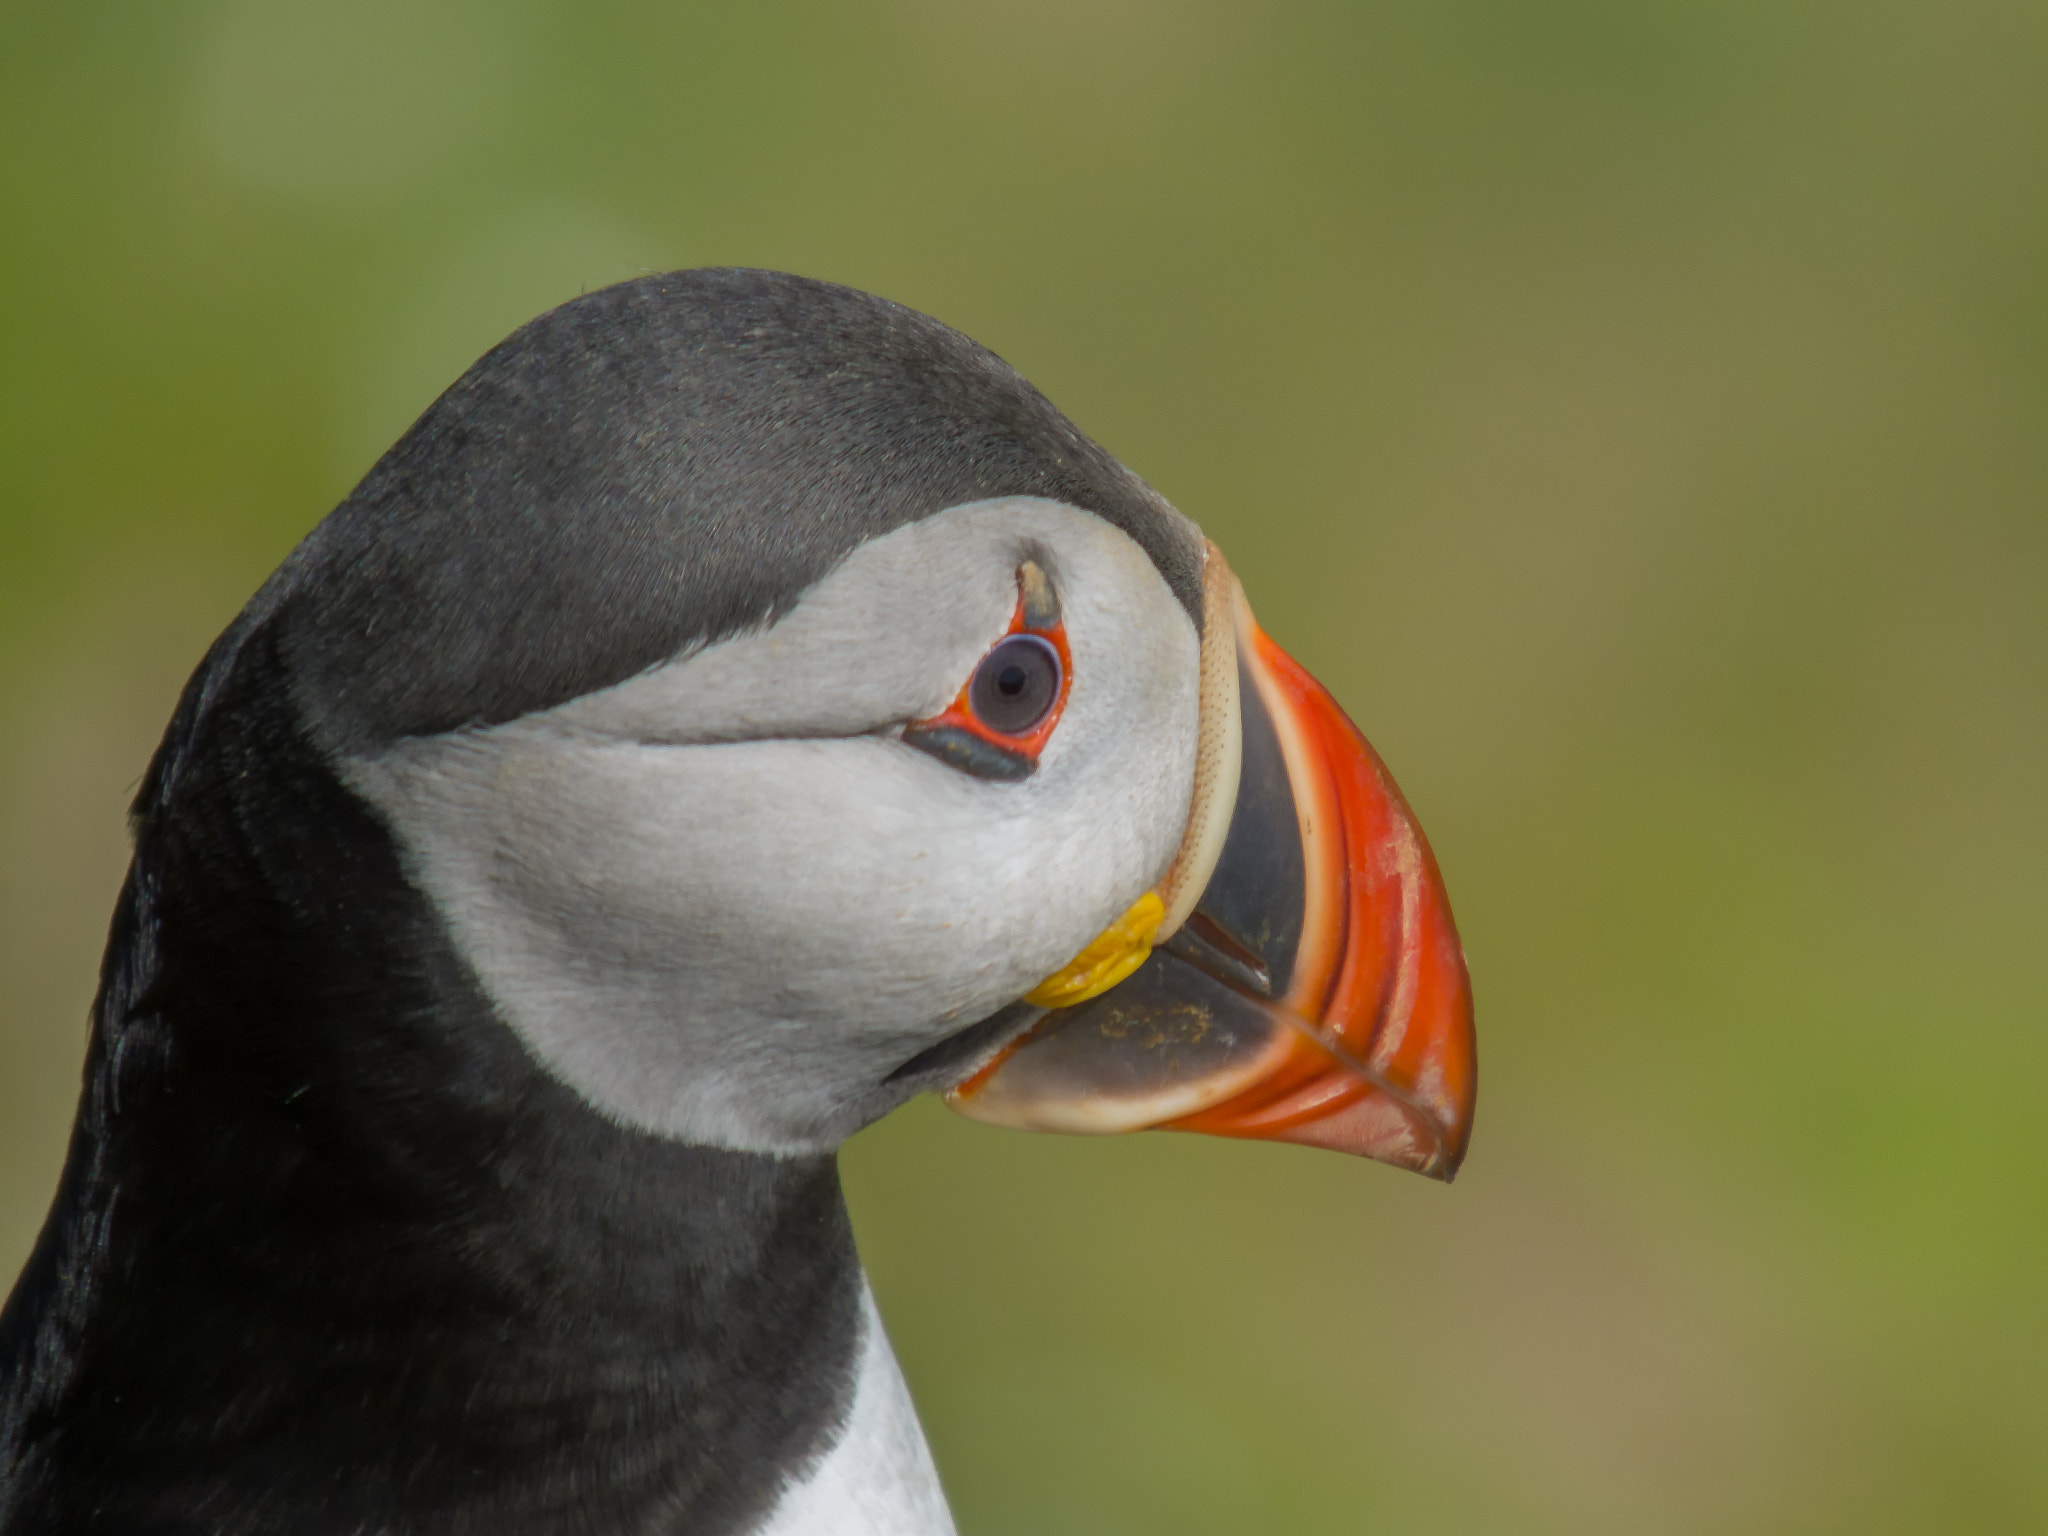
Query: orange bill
{"points": [[1314, 991]]}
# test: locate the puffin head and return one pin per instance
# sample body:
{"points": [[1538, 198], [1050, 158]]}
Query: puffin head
{"points": [[737, 705], [787, 711]]}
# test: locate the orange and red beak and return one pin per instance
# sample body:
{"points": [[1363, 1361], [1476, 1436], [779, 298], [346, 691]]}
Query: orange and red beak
{"points": [[1304, 980]]}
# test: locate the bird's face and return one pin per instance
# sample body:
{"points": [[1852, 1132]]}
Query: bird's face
{"points": [[726, 898], [737, 704], [756, 895]]}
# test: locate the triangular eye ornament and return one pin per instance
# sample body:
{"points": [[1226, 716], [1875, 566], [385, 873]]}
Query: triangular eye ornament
{"points": [[1006, 711]]}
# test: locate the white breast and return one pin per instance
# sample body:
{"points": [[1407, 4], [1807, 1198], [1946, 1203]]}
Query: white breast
{"points": [[877, 1479]]}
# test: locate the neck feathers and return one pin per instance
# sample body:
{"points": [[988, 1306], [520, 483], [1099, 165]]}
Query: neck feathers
{"points": [[331, 1253]]}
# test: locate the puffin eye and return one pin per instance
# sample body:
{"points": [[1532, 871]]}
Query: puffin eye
{"points": [[1016, 684], [1001, 719]]}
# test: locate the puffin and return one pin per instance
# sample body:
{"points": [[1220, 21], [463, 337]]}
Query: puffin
{"points": [[738, 705]]}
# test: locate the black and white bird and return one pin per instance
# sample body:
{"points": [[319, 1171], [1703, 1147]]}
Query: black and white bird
{"points": [[739, 704]]}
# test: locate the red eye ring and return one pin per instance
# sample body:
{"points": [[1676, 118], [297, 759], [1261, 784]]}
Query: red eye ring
{"points": [[961, 736]]}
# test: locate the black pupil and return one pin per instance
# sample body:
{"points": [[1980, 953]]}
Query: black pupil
{"points": [[1016, 684]]}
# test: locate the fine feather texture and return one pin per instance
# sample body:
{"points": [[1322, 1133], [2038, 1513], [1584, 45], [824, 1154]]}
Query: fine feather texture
{"points": [[724, 903], [333, 1255], [878, 1479], [333, 1252], [656, 466]]}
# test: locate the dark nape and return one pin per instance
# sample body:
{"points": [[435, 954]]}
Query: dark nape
{"points": [[330, 1254]]}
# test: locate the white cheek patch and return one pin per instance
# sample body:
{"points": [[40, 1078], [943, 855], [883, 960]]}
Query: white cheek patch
{"points": [[722, 902]]}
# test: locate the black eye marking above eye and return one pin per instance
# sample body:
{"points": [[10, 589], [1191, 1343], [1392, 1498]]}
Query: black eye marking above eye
{"points": [[1040, 605], [1016, 684]]}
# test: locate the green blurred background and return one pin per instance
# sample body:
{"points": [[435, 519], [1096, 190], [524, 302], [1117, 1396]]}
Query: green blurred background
{"points": [[1637, 412]]}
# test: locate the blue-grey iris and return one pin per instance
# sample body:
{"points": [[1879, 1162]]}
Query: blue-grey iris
{"points": [[1016, 684]]}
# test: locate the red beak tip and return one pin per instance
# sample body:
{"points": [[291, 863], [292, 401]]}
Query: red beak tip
{"points": [[1379, 1128]]}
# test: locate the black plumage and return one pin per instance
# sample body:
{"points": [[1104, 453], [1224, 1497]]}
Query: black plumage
{"points": [[657, 465], [330, 1252]]}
